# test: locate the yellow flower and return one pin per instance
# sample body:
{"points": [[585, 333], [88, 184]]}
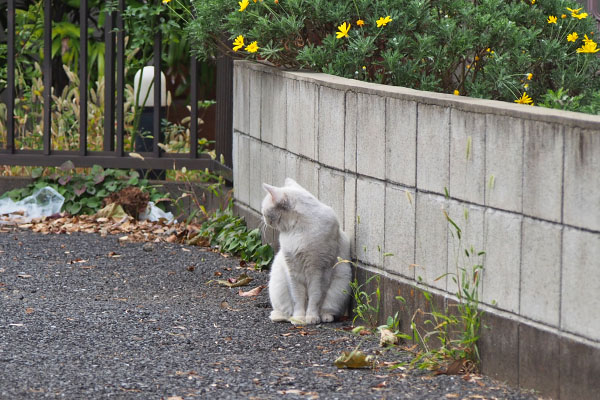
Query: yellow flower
{"points": [[552, 19], [572, 37], [580, 16], [525, 99], [364, 67], [532, 2], [165, 1], [588, 47], [252, 47], [563, 16], [243, 4], [526, 85], [383, 21], [574, 11], [586, 39], [360, 22], [476, 58], [343, 30], [529, 76], [456, 92], [488, 50], [238, 43]]}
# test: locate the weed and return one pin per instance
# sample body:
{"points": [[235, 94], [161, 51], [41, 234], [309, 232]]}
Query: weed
{"points": [[367, 304], [456, 332]]}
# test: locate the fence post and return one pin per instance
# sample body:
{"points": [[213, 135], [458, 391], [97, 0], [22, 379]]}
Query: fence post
{"points": [[10, 77], [224, 117], [109, 82], [47, 73], [83, 76]]}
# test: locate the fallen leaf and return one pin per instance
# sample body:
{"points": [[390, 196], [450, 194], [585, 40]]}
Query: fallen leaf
{"points": [[242, 280], [24, 276], [254, 292], [380, 385], [452, 395], [217, 273], [29, 310], [113, 210], [88, 266], [123, 238], [191, 268], [354, 359], [387, 338]]}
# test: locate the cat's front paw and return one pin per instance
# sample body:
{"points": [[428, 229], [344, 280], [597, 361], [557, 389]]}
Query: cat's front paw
{"points": [[327, 318], [298, 320], [312, 319], [278, 316]]}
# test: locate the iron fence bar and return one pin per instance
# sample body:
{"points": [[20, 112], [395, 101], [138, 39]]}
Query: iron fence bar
{"points": [[224, 111], [193, 107], [120, 77], [47, 73], [83, 76], [10, 78], [157, 95], [109, 82]]}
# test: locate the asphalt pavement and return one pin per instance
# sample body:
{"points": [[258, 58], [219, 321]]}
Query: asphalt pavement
{"points": [[89, 317]]}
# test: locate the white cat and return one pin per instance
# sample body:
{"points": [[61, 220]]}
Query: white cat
{"points": [[306, 285]]}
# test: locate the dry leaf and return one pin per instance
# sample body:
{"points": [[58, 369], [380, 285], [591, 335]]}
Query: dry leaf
{"points": [[387, 338], [254, 292], [242, 280], [29, 310], [24, 276], [354, 359]]}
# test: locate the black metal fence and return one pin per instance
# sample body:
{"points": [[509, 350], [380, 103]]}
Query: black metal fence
{"points": [[113, 154]]}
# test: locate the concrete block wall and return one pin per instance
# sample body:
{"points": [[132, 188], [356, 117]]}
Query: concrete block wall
{"points": [[523, 183]]}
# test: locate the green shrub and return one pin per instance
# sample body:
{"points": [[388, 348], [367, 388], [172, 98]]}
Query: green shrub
{"points": [[511, 50], [230, 234]]}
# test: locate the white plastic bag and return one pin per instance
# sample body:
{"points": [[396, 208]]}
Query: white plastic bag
{"points": [[42, 203], [154, 214]]}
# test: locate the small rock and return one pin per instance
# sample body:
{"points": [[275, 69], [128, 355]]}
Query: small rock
{"points": [[148, 247]]}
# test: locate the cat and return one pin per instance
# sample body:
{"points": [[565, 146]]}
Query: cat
{"points": [[307, 284]]}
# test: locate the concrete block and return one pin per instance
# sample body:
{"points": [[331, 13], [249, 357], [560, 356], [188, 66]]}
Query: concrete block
{"points": [[255, 99], [504, 162], [581, 283], [502, 260], [582, 179], [255, 190], [266, 170], [235, 158], [350, 210], [542, 170], [370, 205], [431, 254], [499, 348], [539, 360], [308, 176], [370, 135], [278, 166], [350, 133], [400, 231], [579, 370], [401, 141], [241, 102], [273, 110], [242, 185], [332, 109], [467, 156], [292, 165], [433, 136], [331, 191], [470, 220], [540, 271], [302, 105]]}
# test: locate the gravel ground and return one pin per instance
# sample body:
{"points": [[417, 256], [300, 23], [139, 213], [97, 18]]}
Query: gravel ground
{"points": [[77, 323]]}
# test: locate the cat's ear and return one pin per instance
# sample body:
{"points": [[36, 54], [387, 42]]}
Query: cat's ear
{"points": [[291, 182], [276, 193]]}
